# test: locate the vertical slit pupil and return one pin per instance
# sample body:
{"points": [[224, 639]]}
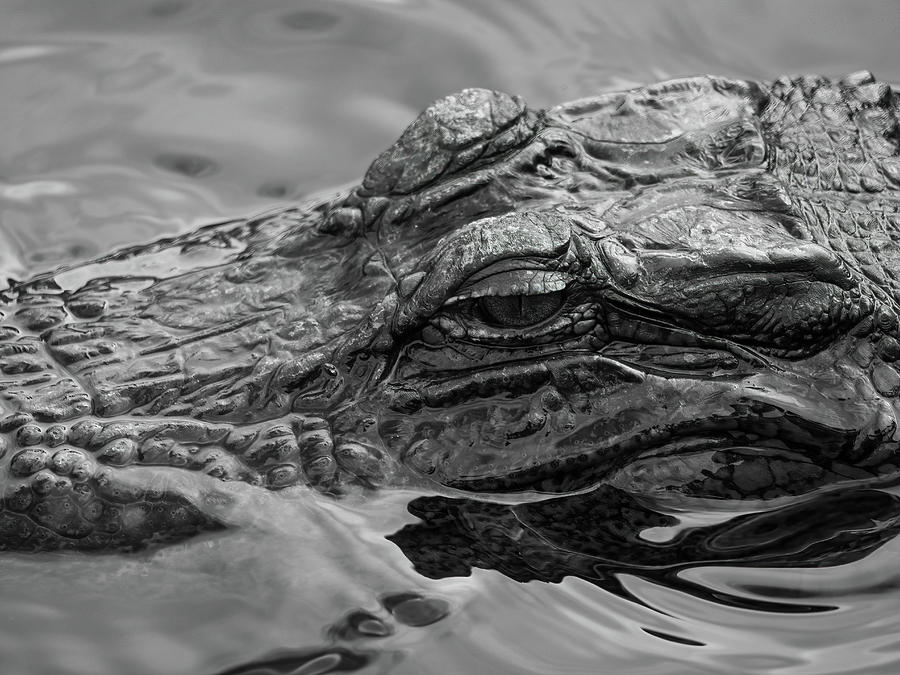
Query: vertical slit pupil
{"points": [[519, 311]]}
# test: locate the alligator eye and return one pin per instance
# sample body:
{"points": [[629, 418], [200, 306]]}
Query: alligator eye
{"points": [[518, 311]]}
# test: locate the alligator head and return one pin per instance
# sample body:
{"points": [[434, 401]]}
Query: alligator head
{"points": [[682, 288], [686, 289]]}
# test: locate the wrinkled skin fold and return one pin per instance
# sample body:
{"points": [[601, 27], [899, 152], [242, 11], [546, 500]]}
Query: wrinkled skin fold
{"points": [[682, 291]]}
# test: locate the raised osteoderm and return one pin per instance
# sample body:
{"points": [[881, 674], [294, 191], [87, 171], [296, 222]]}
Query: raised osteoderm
{"points": [[689, 288]]}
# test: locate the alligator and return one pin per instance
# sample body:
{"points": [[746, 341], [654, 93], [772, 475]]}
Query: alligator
{"points": [[687, 290]]}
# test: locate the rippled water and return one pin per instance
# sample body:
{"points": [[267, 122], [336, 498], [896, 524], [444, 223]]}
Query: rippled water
{"points": [[125, 121]]}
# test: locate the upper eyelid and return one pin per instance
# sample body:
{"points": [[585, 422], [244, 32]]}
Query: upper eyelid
{"points": [[513, 282]]}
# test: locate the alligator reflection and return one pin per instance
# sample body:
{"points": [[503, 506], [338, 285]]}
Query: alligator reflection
{"points": [[598, 535]]}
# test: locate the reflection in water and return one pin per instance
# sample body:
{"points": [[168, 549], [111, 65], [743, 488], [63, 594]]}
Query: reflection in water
{"points": [[311, 20], [191, 166], [408, 609], [600, 534], [329, 660]]}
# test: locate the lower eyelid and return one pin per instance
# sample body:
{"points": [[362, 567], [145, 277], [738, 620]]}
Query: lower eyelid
{"points": [[468, 326]]}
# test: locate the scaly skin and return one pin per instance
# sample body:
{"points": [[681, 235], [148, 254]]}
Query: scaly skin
{"points": [[688, 289]]}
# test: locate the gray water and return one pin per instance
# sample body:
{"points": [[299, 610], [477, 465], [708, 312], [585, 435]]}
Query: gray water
{"points": [[122, 121]]}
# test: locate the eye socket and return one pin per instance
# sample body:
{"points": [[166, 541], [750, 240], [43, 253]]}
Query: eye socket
{"points": [[519, 311]]}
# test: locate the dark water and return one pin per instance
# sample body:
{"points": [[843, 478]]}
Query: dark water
{"points": [[125, 121]]}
